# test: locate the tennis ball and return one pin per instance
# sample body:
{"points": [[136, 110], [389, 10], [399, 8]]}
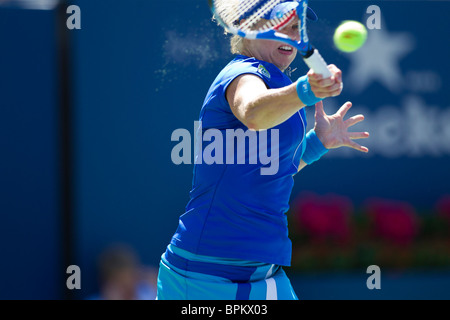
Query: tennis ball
{"points": [[350, 35]]}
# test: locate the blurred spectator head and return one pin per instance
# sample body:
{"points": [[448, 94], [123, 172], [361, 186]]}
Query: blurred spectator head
{"points": [[122, 277]]}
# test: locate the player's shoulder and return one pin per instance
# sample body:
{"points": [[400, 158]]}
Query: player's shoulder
{"points": [[242, 62], [247, 65]]}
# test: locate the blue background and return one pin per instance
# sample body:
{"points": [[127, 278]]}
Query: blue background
{"points": [[140, 70]]}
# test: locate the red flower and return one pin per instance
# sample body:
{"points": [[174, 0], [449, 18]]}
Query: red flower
{"points": [[394, 221], [323, 217]]}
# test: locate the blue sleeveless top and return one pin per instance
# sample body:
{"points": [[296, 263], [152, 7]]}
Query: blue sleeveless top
{"points": [[236, 209]]}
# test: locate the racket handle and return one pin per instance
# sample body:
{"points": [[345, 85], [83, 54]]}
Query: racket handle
{"points": [[316, 62]]}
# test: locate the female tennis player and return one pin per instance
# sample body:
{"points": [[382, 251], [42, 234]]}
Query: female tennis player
{"points": [[232, 241]]}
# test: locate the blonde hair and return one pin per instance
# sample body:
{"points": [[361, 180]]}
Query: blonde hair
{"points": [[236, 44]]}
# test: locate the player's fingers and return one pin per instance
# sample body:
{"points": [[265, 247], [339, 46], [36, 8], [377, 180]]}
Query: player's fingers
{"points": [[337, 73], [353, 120], [323, 83], [358, 147], [338, 76], [315, 84], [358, 135], [316, 80], [327, 91], [314, 77], [345, 107], [335, 93], [328, 82]]}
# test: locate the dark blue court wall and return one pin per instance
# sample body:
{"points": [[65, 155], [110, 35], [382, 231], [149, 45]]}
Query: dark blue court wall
{"points": [[30, 220]]}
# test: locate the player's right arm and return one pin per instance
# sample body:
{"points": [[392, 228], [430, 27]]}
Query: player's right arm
{"points": [[258, 107]]}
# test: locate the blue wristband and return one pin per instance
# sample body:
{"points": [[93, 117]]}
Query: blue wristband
{"points": [[314, 148], [305, 93]]}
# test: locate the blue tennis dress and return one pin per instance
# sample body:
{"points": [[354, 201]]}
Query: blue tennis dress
{"points": [[232, 240]]}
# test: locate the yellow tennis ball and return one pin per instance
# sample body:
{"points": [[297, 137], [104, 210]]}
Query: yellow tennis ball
{"points": [[350, 36]]}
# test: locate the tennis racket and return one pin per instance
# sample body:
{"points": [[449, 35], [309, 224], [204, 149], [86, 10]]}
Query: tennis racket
{"points": [[262, 23]]}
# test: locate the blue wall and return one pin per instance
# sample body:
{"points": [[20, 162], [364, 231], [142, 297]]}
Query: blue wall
{"points": [[30, 236], [134, 85]]}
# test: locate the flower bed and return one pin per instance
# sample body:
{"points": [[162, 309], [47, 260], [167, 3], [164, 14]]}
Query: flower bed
{"points": [[330, 233]]}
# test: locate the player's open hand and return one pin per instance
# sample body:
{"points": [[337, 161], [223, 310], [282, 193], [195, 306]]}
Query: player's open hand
{"points": [[328, 87], [332, 130]]}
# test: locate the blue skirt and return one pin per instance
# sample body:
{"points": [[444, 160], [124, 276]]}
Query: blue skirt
{"points": [[187, 276]]}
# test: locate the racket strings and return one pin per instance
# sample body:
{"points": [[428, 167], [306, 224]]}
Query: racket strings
{"points": [[257, 16], [232, 11], [227, 11]]}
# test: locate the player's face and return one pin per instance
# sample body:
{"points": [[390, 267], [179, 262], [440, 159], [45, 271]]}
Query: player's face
{"points": [[278, 53]]}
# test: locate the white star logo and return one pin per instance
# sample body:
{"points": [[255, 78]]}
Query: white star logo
{"points": [[378, 60]]}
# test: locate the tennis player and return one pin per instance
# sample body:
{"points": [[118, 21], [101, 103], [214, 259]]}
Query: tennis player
{"points": [[232, 241]]}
